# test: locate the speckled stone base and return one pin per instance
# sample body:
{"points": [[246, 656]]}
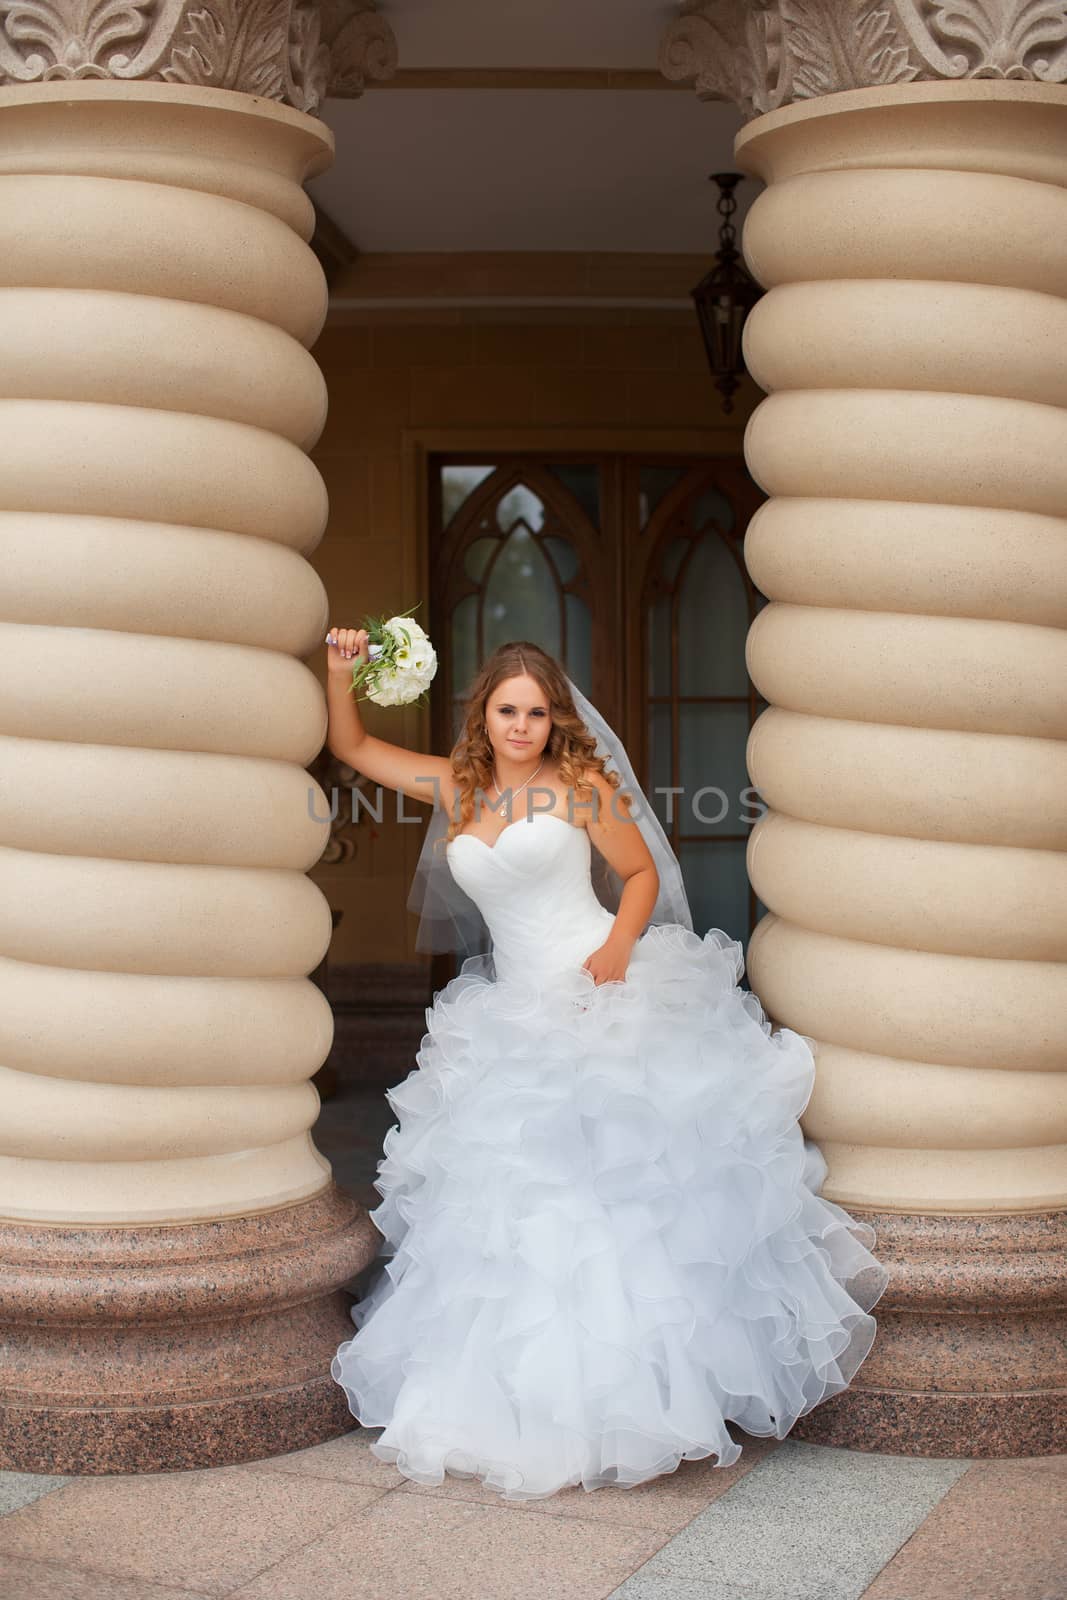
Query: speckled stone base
{"points": [[162, 1347], [970, 1357]]}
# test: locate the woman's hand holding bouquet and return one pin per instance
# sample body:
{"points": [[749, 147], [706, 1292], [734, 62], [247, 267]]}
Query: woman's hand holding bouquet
{"points": [[395, 661]]}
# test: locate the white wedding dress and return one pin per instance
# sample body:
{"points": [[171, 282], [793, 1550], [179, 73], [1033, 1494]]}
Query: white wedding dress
{"points": [[601, 1217]]}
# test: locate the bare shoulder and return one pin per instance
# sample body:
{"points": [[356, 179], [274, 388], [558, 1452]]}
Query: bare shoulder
{"points": [[615, 830], [588, 804], [609, 805]]}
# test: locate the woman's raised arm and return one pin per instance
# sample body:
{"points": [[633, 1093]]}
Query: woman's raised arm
{"points": [[423, 777]]}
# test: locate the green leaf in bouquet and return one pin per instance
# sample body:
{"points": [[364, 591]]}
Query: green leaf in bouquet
{"points": [[367, 672]]}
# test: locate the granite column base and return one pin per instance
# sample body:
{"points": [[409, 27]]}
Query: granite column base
{"points": [[157, 1348], [970, 1357]]}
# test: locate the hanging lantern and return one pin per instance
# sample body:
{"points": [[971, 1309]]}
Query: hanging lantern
{"points": [[724, 297]]}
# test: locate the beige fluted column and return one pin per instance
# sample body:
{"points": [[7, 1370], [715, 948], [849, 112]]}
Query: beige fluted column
{"points": [[171, 1242], [913, 242]]}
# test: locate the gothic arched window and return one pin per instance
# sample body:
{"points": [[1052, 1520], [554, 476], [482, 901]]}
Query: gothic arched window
{"points": [[517, 560], [698, 605]]}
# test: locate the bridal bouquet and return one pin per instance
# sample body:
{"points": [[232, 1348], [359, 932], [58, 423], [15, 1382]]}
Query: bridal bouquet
{"points": [[402, 661]]}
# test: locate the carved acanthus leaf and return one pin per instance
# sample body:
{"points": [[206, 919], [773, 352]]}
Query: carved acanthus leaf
{"points": [[826, 56], [296, 51], [233, 45], [763, 54], [361, 43], [309, 59], [704, 47]]}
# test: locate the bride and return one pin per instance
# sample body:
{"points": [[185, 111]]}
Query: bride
{"points": [[600, 1218]]}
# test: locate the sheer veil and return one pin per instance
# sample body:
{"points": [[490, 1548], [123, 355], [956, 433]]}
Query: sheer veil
{"points": [[450, 921]]}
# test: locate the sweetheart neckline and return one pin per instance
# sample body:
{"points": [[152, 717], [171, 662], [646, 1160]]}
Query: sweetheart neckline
{"points": [[540, 816]]}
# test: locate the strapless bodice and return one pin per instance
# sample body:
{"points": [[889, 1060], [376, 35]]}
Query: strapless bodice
{"points": [[534, 889]]}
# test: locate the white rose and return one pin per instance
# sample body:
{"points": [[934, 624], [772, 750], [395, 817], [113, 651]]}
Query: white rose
{"points": [[404, 630], [388, 693]]}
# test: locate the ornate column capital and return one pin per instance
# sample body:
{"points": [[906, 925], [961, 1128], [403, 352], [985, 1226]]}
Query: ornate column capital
{"points": [[295, 51], [763, 54]]}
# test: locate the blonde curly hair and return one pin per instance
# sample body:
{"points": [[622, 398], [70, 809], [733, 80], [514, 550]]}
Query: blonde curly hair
{"points": [[570, 743]]}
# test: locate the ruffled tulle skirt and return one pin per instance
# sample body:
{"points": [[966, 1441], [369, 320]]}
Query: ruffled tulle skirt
{"points": [[602, 1233]]}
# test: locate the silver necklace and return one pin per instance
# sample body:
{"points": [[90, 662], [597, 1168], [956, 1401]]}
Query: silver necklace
{"points": [[518, 791]]}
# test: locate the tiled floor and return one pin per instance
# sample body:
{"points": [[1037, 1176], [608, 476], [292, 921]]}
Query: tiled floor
{"points": [[789, 1521]]}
